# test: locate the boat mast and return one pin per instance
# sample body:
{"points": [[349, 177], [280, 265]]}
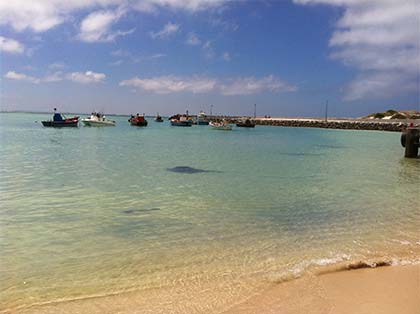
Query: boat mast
{"points": [[326, 111], [255, 111]]}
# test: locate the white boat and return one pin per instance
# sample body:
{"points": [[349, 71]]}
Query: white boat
{"points": [[97, 119], [220, 126]]}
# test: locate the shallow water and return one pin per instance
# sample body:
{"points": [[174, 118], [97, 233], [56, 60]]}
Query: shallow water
{"points": [[97, 211]]}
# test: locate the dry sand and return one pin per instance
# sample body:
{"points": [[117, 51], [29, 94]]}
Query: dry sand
{"points": [[383, 290]]}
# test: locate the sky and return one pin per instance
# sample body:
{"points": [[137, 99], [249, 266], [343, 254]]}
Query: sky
{"points": [[289, 57]]}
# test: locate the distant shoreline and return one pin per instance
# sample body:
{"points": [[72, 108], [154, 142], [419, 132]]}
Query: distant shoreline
{"points": [[391, 125]]}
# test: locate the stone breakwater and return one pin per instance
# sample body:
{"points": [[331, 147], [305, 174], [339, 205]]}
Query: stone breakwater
{"points": [[346, 124], [337, 124]]}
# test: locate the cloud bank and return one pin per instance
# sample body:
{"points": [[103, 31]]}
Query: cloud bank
{"points": [[380, 38], [199, 84], [88, 77]]}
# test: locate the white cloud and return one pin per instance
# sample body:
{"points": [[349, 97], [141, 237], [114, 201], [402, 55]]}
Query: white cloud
{"points": [[381, 38], [117, 62], [192, 39], [87, 77], [171, 84], [186, 5], [10, 45], [12, 75], [166, 31], [252, 85], [157, 56], [54, 77], [42, 15], [96, 27], [57, 66], [199, 84], [226, 56]]}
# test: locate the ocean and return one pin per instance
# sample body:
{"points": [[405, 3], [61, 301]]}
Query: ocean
{"points": [[192, 220]]}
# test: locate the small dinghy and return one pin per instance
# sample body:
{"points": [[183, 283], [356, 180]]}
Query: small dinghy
{"points": [[97, 119], [220, 126], [59, 121], [158, 118], [138, 120]]}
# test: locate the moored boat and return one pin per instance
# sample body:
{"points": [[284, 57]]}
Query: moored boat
{"points": [[201, 119], [97, 119], [138, 120], [182, 121], [158, 118], [220, 126], [246, 124], [59, 121]]}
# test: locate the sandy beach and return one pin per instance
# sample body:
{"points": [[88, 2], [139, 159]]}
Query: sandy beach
{"points": [[382, 290]]}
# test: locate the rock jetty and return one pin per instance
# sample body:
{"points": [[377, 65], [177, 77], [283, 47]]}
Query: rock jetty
{"points": [[346, 124]]}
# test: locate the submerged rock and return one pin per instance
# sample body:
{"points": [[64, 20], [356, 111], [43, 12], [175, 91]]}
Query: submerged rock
{"points": [[185, 169], [139, 210]]}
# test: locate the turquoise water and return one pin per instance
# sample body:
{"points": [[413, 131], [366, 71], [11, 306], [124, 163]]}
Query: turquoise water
{"points": [[95, 211]]}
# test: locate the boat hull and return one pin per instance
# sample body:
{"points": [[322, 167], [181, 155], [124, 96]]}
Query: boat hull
{"points": [[139, 123], [61, 124], [98, 123], [181, 123]]}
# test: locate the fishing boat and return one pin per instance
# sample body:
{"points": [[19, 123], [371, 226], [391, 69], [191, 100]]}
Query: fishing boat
{"points": [[220, 126], [97, 119], [158, 118], [246, 124], [138, 120], [60, 121], [181, 121], [201, 119]]}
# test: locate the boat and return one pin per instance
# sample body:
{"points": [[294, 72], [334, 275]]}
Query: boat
{"points": [[60, 121], [158, 118], [138, 120], [246, 124], [97, 119], [201, 119], [220, 126], [181, 121]]}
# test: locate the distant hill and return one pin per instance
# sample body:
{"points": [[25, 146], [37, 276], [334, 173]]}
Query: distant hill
{"points": [[393, 114]]}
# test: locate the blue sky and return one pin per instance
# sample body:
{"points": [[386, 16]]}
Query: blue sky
{"points": [[168, 56]]}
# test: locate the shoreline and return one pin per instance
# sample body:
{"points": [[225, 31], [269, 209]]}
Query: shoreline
{"points": [[385, 289]]}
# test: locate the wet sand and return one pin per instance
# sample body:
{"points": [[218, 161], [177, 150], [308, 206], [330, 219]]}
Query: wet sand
{"points": [[382, 290]]}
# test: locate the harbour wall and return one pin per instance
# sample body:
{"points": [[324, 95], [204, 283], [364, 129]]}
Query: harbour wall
{"points": [[346, 124]]}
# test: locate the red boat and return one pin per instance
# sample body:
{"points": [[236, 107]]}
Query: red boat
{"points": [[138, 120]]}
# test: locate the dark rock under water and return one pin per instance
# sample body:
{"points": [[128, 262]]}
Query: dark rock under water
{"points": [[185, 169], [139, 210]]}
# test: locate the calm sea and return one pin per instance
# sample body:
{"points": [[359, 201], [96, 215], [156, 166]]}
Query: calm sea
{"points": [[97, 211]]}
